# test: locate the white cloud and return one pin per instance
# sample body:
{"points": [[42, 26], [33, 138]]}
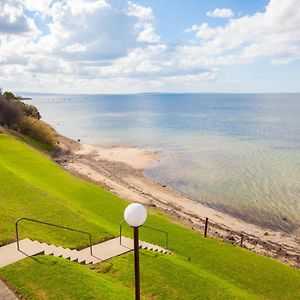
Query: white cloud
{"points": [[13, 20], [143, 13], [220, 13], [39, 6], [80, 7], [101, 45], [92, 26], [146, 22], [75, 48], [84, 39], [273, 34], [148, 34]]}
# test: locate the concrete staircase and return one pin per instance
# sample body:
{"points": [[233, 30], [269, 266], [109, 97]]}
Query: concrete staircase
{"points": [[148, 246], [72, 255], [101, 252]]}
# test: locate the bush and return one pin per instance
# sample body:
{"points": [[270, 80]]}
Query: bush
{"points": [[37, 130], [9, 96], [10, 112], [30, 110], [25, 118]]}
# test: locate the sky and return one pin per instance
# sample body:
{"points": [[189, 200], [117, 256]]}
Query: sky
{"points": [[118, 46]]}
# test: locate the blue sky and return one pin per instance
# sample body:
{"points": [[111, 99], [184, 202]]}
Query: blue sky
{"points": [[117, 46], [174, 16]]}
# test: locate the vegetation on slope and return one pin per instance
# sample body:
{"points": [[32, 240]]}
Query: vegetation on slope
{"points": [[24, 118], [33, 186]]}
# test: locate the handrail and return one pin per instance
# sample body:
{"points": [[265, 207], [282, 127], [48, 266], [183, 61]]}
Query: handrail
{"points": [[121, 225], [162, 231], [165, 232], [53, 225]]}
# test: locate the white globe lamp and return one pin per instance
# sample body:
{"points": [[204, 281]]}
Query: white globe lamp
{"points": [[135, 214]]}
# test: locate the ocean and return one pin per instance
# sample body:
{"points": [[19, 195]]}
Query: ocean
{"points": [[238, 153]]}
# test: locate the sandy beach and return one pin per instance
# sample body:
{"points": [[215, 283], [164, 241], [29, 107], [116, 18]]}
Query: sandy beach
{"points": [[120, 170]]}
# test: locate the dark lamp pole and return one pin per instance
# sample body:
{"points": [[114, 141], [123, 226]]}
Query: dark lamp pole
{"points": [[135, 215], [136, 263]]}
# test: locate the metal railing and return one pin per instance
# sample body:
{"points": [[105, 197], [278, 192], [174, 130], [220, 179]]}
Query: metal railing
{"points": [[162, 231], [144, 226], [53, 225]]}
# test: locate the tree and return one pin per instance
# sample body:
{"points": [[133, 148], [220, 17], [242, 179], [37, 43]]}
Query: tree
{"points": [[9, 95], [10, 112], [30, 111]]}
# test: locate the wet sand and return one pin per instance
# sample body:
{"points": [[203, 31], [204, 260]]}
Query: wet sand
{"points": [[120, 170]]}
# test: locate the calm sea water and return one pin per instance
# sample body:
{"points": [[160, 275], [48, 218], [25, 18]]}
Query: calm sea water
{"points": [[239, 153]]}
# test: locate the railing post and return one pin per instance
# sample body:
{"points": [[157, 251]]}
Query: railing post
{"points": [[121, 225], [91, 245], [205, 228], [167, 241], [242, 240], [17, 235]]}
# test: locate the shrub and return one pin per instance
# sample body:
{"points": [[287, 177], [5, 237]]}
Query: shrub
{"points": [[9, 95], [25, 118], [30, 110], [10, 112], [37, 130]]}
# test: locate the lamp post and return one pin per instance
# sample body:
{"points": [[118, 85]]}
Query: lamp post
{"points": [[135, 215]]}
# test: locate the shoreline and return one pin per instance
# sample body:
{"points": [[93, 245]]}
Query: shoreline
{"points": [[120, 170]]}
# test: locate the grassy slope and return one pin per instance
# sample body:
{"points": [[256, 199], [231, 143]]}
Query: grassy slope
{"points": [[33, 186], [59, 279]]}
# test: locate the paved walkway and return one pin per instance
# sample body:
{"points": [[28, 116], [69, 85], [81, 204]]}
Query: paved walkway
{"points": [[6, 293], [9, 253]]}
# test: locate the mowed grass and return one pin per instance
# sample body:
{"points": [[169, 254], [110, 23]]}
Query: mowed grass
{"points": [[162, 277], [169, 277], [59, 279], [33, 186]]}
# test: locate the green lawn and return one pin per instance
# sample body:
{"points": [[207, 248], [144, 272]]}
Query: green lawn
{"points": [[59, 279], [33, 186]]}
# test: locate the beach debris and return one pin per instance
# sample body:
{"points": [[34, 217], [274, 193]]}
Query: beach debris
{"points": [[230, 239]]}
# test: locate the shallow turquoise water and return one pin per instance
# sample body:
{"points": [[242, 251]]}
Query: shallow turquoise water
{"points": [[239, 153]]}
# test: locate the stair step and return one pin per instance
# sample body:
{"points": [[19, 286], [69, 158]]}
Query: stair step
{"points": [[101, 252]]}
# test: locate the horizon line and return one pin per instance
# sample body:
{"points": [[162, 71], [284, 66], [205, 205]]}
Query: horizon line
{"points": [[152, 93]]}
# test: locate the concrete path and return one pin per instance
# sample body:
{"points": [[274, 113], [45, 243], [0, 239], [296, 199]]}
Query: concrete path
{"points": [[6, 293], [101, 252], [112, 248], [9, 253]]}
